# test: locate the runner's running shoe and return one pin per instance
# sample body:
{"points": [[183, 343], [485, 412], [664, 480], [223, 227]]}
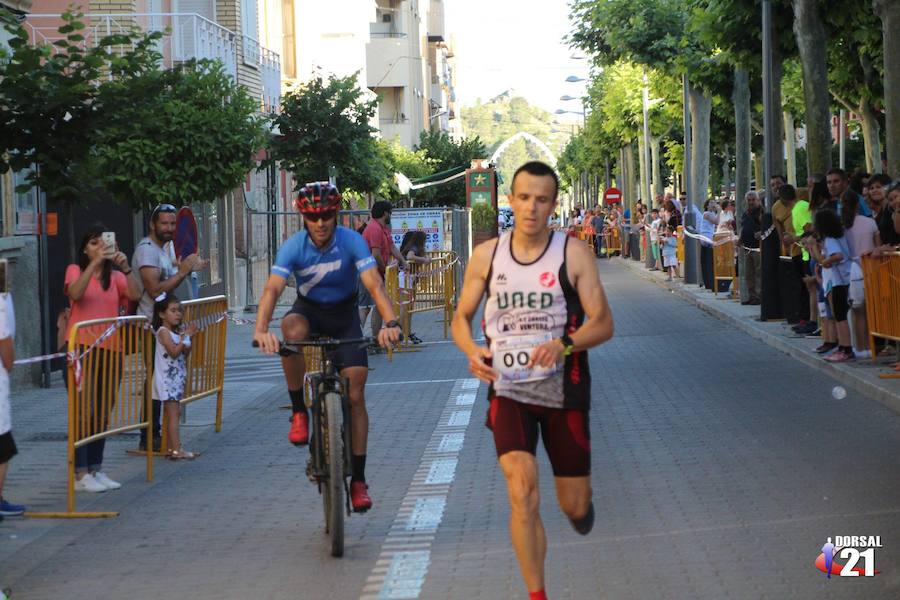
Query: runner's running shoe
{"points": [[299, 433], [359, 496]]}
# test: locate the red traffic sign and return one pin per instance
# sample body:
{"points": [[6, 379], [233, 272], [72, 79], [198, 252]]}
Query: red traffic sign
{"points": [[612, 196]]}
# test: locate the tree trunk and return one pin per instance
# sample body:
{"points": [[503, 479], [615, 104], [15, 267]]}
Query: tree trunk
{"points": [[633, 187], [889, 11], [871, 131], [813, 44], [642, 170], [777, 163], [741, 100], [701, 107], [726, 171], [654, 158], [790, 146], [758, 174]]}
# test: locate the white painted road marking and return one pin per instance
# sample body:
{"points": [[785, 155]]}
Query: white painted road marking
{"points": [[402, 566]]}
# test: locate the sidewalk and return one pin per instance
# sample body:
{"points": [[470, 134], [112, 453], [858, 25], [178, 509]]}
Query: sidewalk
{"points": [[859, 375], [254, 384]]}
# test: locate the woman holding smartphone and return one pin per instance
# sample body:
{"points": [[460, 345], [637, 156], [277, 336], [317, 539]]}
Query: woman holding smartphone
{"points": [[97, 286]]}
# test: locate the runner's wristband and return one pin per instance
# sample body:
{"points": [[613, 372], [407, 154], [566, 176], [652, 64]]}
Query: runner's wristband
{"points": [[567, 343], [391, 324]]}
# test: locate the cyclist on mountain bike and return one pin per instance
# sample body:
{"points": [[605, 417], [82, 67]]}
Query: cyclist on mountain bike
{"points": [[325, 260]]}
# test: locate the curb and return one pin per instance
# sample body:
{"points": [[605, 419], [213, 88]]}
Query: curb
{"points": [[843, 374]]}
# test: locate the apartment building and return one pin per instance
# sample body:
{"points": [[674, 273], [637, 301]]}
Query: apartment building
{"points": [[409, 67]]}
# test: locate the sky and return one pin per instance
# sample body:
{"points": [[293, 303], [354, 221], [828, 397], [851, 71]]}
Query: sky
{"points": [[503, 44]]}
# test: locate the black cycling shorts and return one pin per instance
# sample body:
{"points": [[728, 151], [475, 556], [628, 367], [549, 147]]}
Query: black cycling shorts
{"points": [[339, 321], [565, 432]]}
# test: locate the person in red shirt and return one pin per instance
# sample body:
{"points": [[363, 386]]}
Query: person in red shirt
{"points": [[378, 236]]}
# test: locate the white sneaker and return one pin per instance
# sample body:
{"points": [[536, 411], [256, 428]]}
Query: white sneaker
{"points": [[862, 354], [101, 478], [89, 484]]}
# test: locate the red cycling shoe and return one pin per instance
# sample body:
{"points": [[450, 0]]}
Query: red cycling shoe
{"points": [[359, 496], [299, 433]]}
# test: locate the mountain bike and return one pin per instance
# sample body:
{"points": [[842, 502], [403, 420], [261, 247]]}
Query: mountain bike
{"points": [[329, 445]]}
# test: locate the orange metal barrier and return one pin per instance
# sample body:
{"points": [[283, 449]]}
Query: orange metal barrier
{"points": [[881, 279], [109, 376], [723, 260], [612, 242], [679, 244], [206, 362]]}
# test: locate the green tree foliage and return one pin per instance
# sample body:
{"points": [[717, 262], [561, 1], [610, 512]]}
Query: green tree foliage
{"points": [[325, 123], [49, 108], [183, 135], [504, 116], [414, 164], [445, 153]]}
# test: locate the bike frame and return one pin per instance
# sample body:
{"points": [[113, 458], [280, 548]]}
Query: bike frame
{"points": [[327, 380]]}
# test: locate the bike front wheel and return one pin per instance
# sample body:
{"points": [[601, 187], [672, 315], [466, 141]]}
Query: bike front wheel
{"points": [[334, 486]]}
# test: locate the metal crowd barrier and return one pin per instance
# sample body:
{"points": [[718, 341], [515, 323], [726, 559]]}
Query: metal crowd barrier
{"points": [[206, 362], [109, 376], [881, 279], [433, 285], [679, 248], [723, 260]]}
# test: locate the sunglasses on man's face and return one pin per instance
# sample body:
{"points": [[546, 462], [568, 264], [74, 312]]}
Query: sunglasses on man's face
{"points": [[163, 208], [316, 217]]}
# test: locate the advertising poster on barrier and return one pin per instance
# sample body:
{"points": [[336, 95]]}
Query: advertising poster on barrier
{"points": [[431, 221]]}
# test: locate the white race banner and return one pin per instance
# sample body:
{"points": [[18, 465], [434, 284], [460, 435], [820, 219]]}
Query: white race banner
{"points": [[430, 221]]}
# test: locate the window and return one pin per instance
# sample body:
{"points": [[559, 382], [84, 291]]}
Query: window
{"points": [[26, 206], [250, 32]]}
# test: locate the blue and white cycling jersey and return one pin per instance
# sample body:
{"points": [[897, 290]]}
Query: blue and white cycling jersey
{"points": [[329, 275]]}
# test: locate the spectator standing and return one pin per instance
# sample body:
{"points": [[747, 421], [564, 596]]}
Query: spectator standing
{"points": [[834, 258], [378, 236], [669, 252], [412, 247], [726, 222], [97, 286], [862, 238], [838, 182], [159, 274], [597, 222], [751, 230], [801, 222], [7, 355], [790, 267], [655, 224], [707, 229], [170, 367]]}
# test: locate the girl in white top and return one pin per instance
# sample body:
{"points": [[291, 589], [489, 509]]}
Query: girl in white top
{"points": [[170, 367], [862, 238]]}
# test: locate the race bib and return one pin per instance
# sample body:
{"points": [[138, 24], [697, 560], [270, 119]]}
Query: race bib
{"points": [[512, 355]]}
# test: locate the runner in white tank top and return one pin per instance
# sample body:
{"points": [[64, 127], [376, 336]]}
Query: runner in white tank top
{"points": [[545, 309], [530, 304]]}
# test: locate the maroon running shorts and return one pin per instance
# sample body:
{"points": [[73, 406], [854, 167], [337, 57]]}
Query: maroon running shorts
{"points": [[565, 432]]}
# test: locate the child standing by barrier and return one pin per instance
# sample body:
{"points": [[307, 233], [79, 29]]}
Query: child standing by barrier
{"points": [[7, 355], [670, 261], [170, 367], [835, 261], [655, 224]]}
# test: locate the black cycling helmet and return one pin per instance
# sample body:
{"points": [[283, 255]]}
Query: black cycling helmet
{"points": [[318, 197]]}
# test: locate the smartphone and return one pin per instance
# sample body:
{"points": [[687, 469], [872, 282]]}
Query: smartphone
{"points": [[109, 238], [4, 285]]}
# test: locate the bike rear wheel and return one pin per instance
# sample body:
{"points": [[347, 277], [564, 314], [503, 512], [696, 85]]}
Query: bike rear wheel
{"points": [[334, 455]]}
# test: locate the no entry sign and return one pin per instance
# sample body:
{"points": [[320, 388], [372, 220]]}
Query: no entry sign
{"points": [[612, 196]]}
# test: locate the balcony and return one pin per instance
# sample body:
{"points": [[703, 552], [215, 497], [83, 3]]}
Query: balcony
{"points": [[387, 63], [268, 63], [185, 36]]}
